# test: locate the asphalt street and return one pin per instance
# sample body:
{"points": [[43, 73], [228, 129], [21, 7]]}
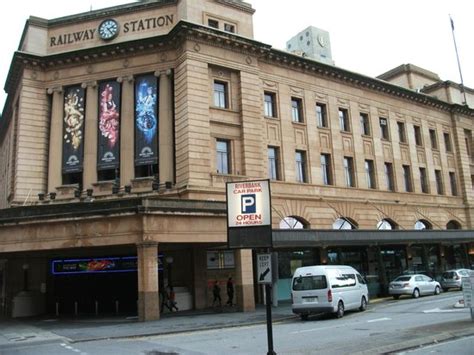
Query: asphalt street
{"points": [[386, 327]]}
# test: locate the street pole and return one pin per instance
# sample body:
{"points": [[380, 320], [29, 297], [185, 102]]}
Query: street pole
{"points": [[268, 301]]}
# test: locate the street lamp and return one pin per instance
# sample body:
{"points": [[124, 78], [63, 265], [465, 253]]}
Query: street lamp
{"points": [[25, 268], [169, 260]]}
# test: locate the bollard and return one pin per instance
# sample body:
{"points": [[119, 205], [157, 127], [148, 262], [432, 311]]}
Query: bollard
{"points": [[75, 308], [57, 309], [96, 308], [116, 307]]}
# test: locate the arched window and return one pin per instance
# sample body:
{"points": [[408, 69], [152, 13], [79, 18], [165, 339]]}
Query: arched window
{"points": [[453, 225], [386, 224], [292, 223], [422, 224], [344, 223]]}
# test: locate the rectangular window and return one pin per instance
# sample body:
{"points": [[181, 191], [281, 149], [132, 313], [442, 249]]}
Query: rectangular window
{"points": [[447, 142], [300, 158], [452, 181], [407, 178], [468, 140], [439, 182], [401, 132], [223, 156], [326, 169], [389, 180], [349, 171], [222, 259], [321, 115], [433, 140], [220, 94], [364, 124], [229, 28], [370, 174], [213, 23], [423, 181], [273, 163], [384, 128], [344, 120], [269, 104], [296, 110], [418, 140]]}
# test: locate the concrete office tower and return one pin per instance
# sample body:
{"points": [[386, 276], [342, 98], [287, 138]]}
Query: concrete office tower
{"points": [[313, 43]]}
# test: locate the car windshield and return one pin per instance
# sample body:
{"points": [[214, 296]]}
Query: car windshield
{"points": [[305, 283], [403, 278]]}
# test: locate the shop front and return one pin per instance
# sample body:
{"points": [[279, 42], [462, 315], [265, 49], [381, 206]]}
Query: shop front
{"points": [[379, 255]]}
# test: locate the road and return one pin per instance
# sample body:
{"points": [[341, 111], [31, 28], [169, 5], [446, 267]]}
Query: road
{"points": [[382, 328], [462, 346]]}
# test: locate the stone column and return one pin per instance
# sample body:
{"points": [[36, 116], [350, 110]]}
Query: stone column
{"points": [[245, 298], [200, 278], [127, 131], [148, 293], [90, 135], [56, 139], [165, 137]]}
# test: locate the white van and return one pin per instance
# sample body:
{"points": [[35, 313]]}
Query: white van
{"points": [[328, 289]]}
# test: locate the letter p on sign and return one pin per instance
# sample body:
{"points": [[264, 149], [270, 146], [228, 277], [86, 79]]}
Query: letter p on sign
{"points": [[248, 204]]}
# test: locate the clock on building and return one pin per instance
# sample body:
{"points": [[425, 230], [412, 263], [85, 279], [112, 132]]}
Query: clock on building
{"points": [[108, 29]]}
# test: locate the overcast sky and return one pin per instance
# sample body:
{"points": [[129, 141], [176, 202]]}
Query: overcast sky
{"points": [[367, 36]]}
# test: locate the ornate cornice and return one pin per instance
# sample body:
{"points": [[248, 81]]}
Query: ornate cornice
{"points": [[190, 31], [306, 65], [238, 4]]}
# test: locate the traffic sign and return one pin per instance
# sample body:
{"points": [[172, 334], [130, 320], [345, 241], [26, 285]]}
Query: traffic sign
{"points": [[264, 268]]}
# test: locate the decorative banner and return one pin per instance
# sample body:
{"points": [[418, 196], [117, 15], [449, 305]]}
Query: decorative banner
{"points": [[108, 149], [73, 128], [146, 120]]}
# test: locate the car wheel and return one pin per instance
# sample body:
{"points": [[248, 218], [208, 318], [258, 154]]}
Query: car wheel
{"points": [[396, 297], [437, 290], [340, 310], [363, 304], [416, 293], [304, 317], [445, 289]]}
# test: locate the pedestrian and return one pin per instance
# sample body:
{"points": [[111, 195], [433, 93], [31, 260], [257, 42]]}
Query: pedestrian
{"points": [[172, 298], [165, 300], [216, 292], [230, 292]]}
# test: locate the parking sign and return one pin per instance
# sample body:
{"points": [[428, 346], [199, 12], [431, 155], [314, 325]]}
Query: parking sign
{"points": [[249, 214], [248, 203]]}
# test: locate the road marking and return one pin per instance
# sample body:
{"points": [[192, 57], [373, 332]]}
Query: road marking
{"points": [[378, 320], [438, 310]]}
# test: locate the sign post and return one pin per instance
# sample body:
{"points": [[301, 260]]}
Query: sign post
{"points": [[468, 293], [249, 225], [264, 274]]}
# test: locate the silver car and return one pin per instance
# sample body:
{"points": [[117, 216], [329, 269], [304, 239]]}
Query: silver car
{"points": [[453, 278], [413, 285]]}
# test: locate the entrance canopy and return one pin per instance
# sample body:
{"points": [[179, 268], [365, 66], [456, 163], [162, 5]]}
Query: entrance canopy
{"points": [[318, 238]]}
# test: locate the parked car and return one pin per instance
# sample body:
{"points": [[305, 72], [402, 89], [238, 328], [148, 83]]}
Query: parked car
{"points": [[328, 289], [453, 278], [413, 285]]}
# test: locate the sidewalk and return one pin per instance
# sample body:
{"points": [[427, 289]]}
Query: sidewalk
{"points": [[91, 328]]}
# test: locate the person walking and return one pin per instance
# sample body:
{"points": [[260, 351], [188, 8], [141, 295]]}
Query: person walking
{"points": [[230, 292], [165, 299], [172, 299], [216, 292]]}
